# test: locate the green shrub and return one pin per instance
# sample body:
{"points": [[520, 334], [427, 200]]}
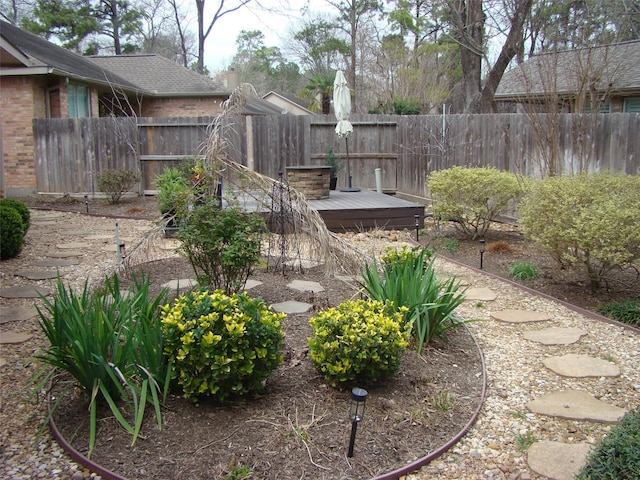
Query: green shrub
{"points": [[222, 245], [617, 456], [409, 282], [11, 232], [359, 341], [110, 341], [21, 208], [392, 257], [472, 197], [523, 271], [627, 311], [174, 194], [116, 182], [586, 220], [221, 345]]}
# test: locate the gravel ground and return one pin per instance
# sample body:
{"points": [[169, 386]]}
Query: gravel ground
{"points": [[490, 450]]}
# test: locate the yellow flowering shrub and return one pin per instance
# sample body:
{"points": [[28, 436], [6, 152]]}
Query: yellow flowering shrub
{"points": [[220, 344], [358, 341]]}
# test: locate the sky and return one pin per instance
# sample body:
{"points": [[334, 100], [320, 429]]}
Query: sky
{"points": [[220, 46]]}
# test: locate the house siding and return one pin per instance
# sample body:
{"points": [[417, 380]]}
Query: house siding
{"points": [[182, 107], [21, 99]]}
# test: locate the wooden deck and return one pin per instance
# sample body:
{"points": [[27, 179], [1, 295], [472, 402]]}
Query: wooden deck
{"points": [[355, 211], [367, 210]]}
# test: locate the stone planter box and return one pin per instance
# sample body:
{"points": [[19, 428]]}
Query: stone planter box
{"points": [[312, 180]]}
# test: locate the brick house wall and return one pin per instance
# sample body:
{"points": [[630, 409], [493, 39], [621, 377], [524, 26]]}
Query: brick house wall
{"points": [[21, 99], [182, 106]]}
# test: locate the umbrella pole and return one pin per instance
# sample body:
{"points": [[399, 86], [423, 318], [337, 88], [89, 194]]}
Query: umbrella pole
{"points": [[346, 141]]}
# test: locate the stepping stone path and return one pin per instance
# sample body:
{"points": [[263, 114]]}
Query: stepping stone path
{"points": [[519, 316], [26, 291], [55, 263], [39, 274], [73, 245], [180, 284], [306, 286], [14, 314], [291, 306], [250, 283], [576, 365], [480, 295], [14, 337], [557, 460], [555, 335]]}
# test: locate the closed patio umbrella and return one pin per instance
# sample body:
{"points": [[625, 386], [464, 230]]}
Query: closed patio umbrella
{"points": [[342, 109]]}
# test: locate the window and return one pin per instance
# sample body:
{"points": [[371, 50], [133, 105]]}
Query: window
{"points": [[632, 105], [78, 100], [604, 107]]}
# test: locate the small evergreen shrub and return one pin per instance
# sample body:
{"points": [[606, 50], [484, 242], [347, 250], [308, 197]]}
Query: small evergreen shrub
{"points": [[21, 208], [222, 245], [472, 197], [627, 311], [359, 341], [115, 182], [617, 456], [586, 220], [11, 232], [221, 345], [523, 271]]}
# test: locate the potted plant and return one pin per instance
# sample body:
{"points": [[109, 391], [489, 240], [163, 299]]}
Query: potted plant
{"points": [[173, 198], [336, 165]]}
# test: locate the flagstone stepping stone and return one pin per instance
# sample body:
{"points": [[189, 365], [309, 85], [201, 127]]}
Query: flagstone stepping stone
{"points": [[303, 263], [519, 316], [77, 233], [100, 237], [62, 254], [105, 228], [306, 286], [43, 223], [26, 291], [73, 245], [38, 274], [480, 294], [555, 335], [13, 314], [576, 405], [55, 263], [557, 460], [169, 244], [292, 306], [3, 362], [578, 365], [181, 284], [14, 337], [250, 283]]}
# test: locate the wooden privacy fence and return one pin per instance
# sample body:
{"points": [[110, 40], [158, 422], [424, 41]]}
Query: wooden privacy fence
{"points": [[71, 153]]}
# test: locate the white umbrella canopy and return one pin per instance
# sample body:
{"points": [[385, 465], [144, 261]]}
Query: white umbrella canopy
{"points": [[342, 109], [342, 105]]}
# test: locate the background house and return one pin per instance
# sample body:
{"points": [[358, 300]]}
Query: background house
{"points": [[41, 80], [287, 103], [602, 79]]}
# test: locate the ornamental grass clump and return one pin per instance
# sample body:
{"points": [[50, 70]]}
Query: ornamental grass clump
{"points": [[360, 340], [409, 283], [221, 345], [110, 342]]}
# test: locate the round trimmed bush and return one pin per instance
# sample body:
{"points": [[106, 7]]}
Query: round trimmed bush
{"points": [[358, 340], [21, 208], [221, 345], [11, 232]]}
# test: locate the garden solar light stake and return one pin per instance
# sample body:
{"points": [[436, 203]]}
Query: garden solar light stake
{"points": [[417, 217], [86, 202], [482, 242], [356, 412]]}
